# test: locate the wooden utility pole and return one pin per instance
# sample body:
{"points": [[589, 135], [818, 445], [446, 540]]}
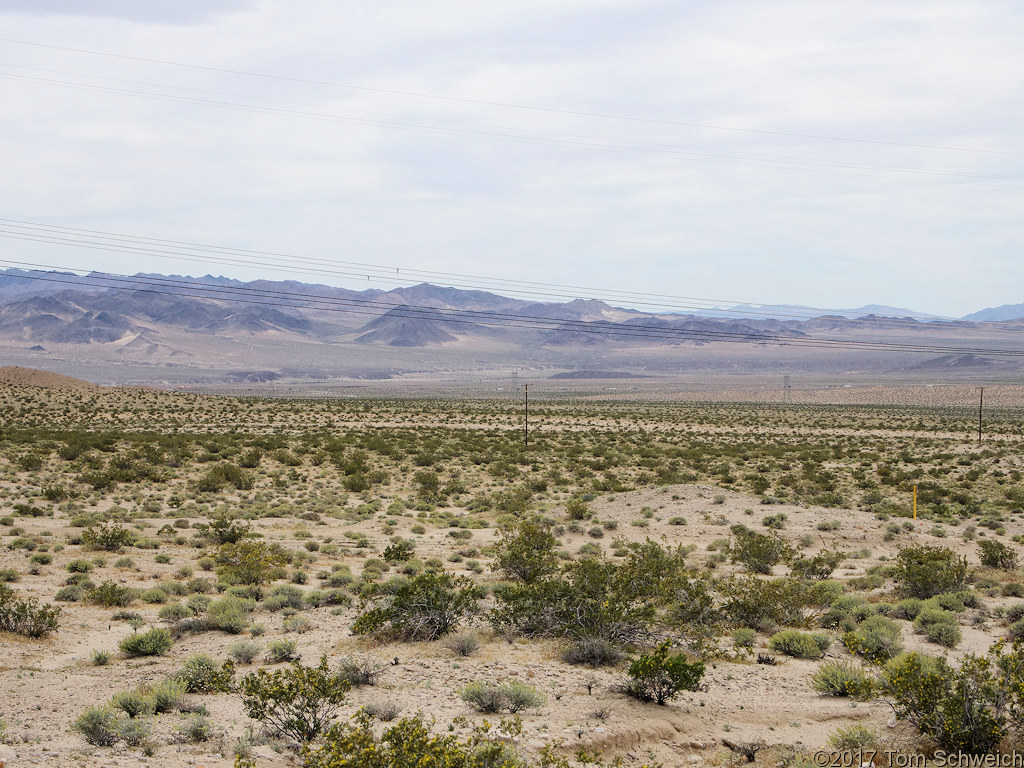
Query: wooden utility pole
{"points": [[526, 423], [981, 403]]}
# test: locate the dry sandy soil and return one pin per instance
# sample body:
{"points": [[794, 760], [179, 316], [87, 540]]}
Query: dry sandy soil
{"points": [[47, 684]]}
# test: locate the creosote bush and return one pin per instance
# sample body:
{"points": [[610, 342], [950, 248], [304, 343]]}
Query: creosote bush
{"points": [[923, 571], [299, 702], [424, 607], [659, 676]]}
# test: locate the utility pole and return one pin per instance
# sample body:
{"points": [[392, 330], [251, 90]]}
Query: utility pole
{"points": [[526, 423], [981, 404], [786, 390]]}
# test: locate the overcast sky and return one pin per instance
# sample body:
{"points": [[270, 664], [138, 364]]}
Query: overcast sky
{"points": [[818, 152]]}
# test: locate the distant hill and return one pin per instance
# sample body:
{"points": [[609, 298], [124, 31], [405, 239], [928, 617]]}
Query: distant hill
{"points": [[33, 377], [175, 330], [997, 314]]}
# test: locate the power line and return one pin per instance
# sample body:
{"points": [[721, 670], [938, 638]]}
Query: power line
{"points": [[303, 300], [280, 262], [505, 105]]}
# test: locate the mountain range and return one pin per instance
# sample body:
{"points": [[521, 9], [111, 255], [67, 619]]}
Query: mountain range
{"points": [[157, 328]]}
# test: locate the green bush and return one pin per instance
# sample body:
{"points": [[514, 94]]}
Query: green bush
{"points": [[526, 551], [923, 571], [108, 536], [298, 701], [766, 604], [153, 642], [969, 709], [250, 562], [743, 637], [169, 695], [424, 607], [111, 595], [592, 652], [99, 726], [134, 702], [201, 674], [244, 651], [659, 677], [281, 650], [842, 678], [25, 616], [800, 645], [758, 552], [411, 743], [995, 554], [877, 639], [513, 696], [229, 614]]}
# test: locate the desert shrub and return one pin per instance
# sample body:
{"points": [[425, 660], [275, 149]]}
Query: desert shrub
{"points": [[169, 695], [513, 696], [200, 673], [281, 650], [659, 676], [845, 612], [70, 593], [758, 552], [285, 596], [134, 702], [961, 709], [819, 566], [592, 652], [945, 634], [99, 726], [25, 616], [360, 671], [153, 642], [853, 738], [765, 604], [938, 625], [877, 639], [244, 651], [9, 575], [154, 595], [842, 678], [111, 595], [424, 607], [223, 474], [577, 508], [135, 732], [298, 624], [79, 565], [250, 562], [908, 609], [229, 614], [175, 612], [195, 728], [298, 701], [800, 645], [464, 643], [108, 536], [411, 742], [743, 637], [923, 571], [101, 657], [995, 554], [526, 551]]}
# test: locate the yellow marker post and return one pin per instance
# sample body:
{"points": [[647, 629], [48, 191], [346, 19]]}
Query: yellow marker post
{"points": [[915, 502]]}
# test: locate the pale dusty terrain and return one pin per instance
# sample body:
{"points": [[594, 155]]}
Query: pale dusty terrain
{"points": [[48, 683]]}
